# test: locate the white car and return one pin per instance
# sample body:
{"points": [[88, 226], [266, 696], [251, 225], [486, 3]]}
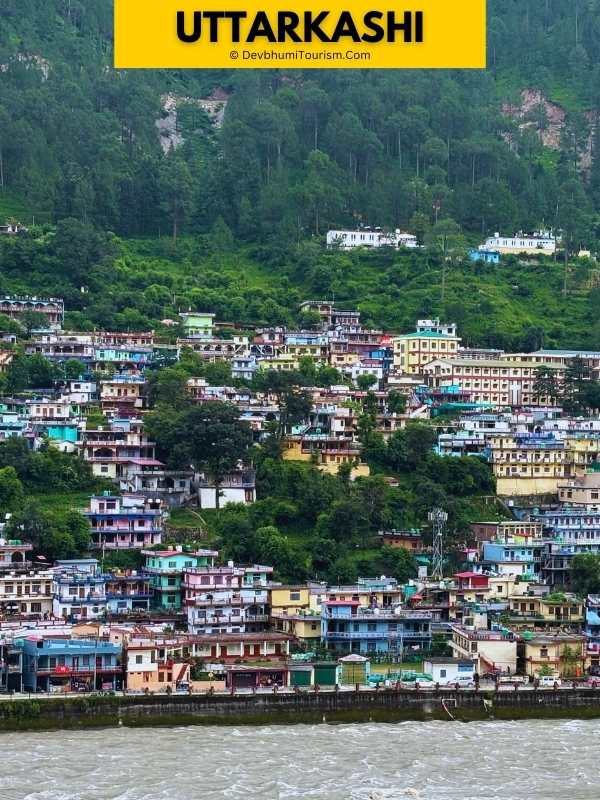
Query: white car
{"points": [[548, 682]]}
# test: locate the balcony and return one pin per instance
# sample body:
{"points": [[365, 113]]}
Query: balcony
{"points": [[383, 635]]}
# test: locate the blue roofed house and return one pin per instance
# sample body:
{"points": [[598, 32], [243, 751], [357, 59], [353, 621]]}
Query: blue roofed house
{"points": [[485, 254], [347, 627], [61, 665]]}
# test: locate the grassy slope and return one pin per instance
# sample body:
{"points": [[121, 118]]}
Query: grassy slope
{"points": [[486, 301]]}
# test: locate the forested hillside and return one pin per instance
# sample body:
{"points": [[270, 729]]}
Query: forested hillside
{"points": [[297, 151]]}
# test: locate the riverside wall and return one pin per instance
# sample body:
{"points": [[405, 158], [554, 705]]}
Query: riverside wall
{"points": [[287, 708]]}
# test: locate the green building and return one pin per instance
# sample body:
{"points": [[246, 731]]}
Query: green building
{"points": [[166, 567], [197, 323]]}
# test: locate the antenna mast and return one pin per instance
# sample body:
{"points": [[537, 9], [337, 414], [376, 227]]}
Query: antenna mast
{"points": [[438, 518]]}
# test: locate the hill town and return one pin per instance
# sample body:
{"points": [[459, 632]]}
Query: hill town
{"points": [[232, 508]]}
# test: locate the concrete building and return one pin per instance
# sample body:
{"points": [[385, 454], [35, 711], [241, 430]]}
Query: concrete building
{"points": [[370, 237], [125, 522], [537, 243], [431, 341], [492, 650], [489, 382], [558, 654]]}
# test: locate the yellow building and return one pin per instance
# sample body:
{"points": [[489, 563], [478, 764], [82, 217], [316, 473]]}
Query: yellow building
{"points": [[551, 609], [529, 465], [285, 362], [327, 452], [306, 628], [341, 360], [293, 599], [560, 654], [318, 352], [412, 351], [525, 465]]}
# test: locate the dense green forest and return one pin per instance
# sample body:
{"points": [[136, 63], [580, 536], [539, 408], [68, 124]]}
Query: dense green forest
{"points": [[301, 150]]}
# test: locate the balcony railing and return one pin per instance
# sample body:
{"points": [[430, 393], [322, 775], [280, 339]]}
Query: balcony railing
{"points": [[377, 635]]}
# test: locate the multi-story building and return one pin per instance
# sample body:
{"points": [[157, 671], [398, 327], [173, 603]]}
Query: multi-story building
{"points": [[558, 609], [64, 665], [197, 324], [346, 627], [227, 599], [524, 559], [560, 654], [529, 464], [52, 308], [172, 488], [490, 382], [583, 492], [25, 593], [494, 651], [166, 568], [63, 346], [125, 522], [508, 531], [128, 593], [79, 589], [430, 342], [119, 450], [537, 243], [576, 530], [122, 395], [238, 486], [332, 317], [14, 554], [11, 666], [559, 358], [326, 451], [122, 358]]}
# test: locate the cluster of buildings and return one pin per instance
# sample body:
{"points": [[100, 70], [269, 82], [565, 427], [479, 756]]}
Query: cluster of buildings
{"points": [[185, 619], [511, 607]]}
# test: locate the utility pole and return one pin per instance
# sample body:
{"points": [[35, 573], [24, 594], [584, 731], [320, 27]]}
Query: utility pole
{"points": [[438, 518]]}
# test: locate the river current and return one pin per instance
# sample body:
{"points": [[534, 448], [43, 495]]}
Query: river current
{"points": [[532, 760]]}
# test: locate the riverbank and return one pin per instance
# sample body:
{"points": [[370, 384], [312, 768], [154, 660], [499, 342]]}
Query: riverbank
{"points": [[97, 711]]}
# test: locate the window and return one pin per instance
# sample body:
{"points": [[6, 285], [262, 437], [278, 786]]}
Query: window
{"points": [[442, 673], [139, 659], [294, 595]]}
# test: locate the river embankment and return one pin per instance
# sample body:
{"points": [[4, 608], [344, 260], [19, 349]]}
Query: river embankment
{"points": [[385, 705]]}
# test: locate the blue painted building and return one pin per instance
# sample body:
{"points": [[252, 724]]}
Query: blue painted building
{"points": [[489, 256], [347, 627], [514, 559], [59, 665]]}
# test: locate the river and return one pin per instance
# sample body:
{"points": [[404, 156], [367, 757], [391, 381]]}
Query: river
{"points": [[528, 760]]}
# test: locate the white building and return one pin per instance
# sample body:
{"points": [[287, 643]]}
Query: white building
{"points": [[370, 237], [543, 242], [239, 486], [449, 670], [79, 589]]}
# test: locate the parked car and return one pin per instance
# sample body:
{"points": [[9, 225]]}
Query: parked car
{"points": [[549, 682], [462, 683], [512, 679]]}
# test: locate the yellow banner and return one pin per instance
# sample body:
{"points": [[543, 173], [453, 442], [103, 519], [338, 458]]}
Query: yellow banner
{"points": [[225, 33]]}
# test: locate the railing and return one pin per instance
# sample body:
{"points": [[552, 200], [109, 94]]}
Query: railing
{"points": [[377, 635]]}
